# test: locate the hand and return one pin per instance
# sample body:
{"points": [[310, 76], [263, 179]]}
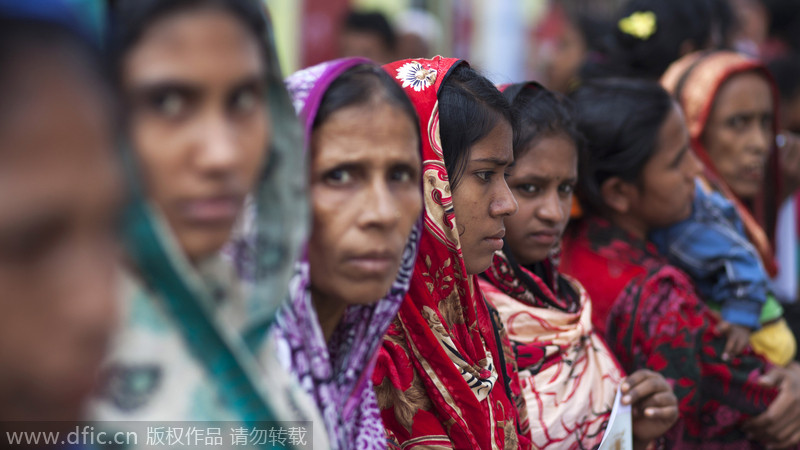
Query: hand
{"points": [[738, 339], [789, 158], [654, 405], [779, 425]]}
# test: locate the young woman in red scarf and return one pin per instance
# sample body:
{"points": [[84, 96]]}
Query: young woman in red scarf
{"points": [[568, 374], [638, 173], [441, 377]]}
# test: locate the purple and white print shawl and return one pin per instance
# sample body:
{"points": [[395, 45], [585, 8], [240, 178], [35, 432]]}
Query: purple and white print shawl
{"points": [[338, 373]]}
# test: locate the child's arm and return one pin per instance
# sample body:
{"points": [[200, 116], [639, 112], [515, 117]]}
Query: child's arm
{"points": [[722, 263], [738, 339]]}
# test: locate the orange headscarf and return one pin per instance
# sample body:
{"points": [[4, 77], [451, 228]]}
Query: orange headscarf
{"points": [[695, 81]]}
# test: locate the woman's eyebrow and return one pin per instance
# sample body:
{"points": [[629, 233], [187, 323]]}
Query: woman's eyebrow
{"points": [[495, 161], [158, 87]]}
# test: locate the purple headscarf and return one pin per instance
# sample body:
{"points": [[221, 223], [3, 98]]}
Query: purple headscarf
{"points": [[338, 373]]}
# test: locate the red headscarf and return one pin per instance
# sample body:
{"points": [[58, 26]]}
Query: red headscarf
{"points": [[439, 378], [695, 81]]}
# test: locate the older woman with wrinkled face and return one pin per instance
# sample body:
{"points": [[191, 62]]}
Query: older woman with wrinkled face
{"points": [[730, 104], [364, 186]]}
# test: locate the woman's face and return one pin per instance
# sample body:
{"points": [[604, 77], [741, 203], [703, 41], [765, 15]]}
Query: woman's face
{"points": [[200, 127], [542, 181], [59, 197], [666, 188], [482, 199], [365, 197], [740, 133]]}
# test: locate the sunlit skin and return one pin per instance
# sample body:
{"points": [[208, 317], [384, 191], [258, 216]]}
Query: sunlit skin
{"points": [[664, 192], [199, 124], [365, 197], [482, 199], [60, 194], [740, 135], [542, 179]]}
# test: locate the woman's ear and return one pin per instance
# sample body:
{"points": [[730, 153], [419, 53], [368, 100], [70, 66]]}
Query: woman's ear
{"points": [[618, 194]]}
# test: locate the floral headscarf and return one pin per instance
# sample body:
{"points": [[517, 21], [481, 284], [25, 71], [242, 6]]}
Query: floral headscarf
{"points": [[437, 376], [337, 373], [695, 81]]}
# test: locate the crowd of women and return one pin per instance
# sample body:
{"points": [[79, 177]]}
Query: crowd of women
{"points": [[395, 254]]}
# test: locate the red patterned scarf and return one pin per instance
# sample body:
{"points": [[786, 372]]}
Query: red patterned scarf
{"points": [[439, 378]]}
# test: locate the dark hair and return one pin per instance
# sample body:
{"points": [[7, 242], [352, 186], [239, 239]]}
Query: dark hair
{"points": [[22, 35], [677, 21], [372, 22], [786, 72], [541, 113], [131, 19], [470, 106], [360, 85], [620, 120], [784, 21]]}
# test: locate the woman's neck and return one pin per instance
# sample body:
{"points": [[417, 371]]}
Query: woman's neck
{"points": [[630, 224], [329, 312]]}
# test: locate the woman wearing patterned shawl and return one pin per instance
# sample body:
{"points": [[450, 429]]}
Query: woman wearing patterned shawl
{"points": [[439, 377], [567, 373], [731, 104], [363, 149], [209, 121], [637, 173]]}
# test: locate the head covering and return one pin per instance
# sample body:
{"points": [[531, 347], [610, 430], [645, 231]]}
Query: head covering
{"points": [[180, 355], [695, 81], [80, 17], [437, 376], [337, 373]]}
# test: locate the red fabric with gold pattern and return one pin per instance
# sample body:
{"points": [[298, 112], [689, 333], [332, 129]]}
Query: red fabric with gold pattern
{"points": [[438, 379]]}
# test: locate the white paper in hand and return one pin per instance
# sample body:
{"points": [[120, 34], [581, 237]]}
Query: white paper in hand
{"points": [[619, 432]]}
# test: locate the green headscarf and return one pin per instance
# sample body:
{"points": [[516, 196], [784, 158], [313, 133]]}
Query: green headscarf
{"points": [[281, 224]]}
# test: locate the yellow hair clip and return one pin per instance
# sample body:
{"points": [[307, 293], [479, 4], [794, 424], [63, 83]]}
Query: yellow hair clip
{"points": [[641, 24]]}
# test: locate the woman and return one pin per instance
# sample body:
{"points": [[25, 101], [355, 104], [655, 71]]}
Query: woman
{"points": [[59, 194], [438, 378], [638, 173], [568, 374], [209, 122], [731, 107], [363, 152]]}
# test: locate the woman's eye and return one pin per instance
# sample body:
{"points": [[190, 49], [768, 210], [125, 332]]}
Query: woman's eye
{"points": [[401, 175], [30, 245], [484, 176], [527, 188], [245, 101], [567, 189], [738, 123], [169, 104], [339, 176]]}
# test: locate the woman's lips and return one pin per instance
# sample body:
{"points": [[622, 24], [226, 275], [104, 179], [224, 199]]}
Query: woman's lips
{"points": [[213, 211], [548, 237], [374, 264], [496, 240]]}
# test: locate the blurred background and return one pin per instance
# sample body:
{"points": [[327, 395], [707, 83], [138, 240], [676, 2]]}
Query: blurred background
{"points": [[508, 40]]}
